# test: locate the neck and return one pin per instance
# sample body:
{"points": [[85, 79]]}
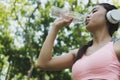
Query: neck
{"points": [[101, 37]]}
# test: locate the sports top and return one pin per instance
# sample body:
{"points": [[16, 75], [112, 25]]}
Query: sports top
{"points": [[102, 64]]}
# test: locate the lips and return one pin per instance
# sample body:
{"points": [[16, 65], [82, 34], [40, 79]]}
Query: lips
{"points": [[87, 21]]}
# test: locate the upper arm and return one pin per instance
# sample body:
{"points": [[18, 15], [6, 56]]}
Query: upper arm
{"points": [[61, 62], [117, 48]]}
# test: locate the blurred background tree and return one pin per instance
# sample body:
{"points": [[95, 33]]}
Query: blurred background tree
{"points": [[24, 25]]}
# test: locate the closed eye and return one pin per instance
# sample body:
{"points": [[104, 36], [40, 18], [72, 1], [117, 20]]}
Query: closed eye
{"points": [[94, 11]]}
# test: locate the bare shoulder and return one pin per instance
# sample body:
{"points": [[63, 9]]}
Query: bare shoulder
{"points": [[74, 52], [117, 48]]}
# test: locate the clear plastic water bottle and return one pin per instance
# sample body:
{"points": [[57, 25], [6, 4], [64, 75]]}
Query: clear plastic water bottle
{"points": [[55, 12]]}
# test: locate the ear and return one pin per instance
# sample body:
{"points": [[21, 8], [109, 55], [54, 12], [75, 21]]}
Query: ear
{"points": [[113, 16]]}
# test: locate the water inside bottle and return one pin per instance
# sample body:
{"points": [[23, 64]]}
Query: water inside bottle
{"points": [[55, 12], [77, 18]]}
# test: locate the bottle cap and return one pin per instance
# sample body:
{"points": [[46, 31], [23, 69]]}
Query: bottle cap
{"points": [[113, 16]]}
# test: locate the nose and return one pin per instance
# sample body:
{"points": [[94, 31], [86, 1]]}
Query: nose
{"points": [[88, 16]]}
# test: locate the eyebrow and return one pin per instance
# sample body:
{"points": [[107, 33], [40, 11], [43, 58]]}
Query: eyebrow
{"points": [[94, 8]]}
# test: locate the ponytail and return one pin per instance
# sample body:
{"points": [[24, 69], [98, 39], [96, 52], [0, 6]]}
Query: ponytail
{"points": [[83, 49]]}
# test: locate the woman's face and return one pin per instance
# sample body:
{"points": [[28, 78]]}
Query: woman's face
{"points": [[96, 18]]}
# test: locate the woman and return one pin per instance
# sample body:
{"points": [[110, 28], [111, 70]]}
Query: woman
{"points": [[97, 60]]}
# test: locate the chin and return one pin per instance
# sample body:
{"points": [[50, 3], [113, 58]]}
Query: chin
{"points": [[89, 28]]}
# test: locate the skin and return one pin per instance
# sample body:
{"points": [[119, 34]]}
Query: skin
{"points": [[97, 27]]}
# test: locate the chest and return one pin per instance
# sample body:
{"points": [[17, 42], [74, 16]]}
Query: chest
{"points": [[96, 59], [97, 62], [93, 49]]}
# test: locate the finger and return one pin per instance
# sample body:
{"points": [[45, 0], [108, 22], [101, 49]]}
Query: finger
{"points": [[69, 20], [64, 20]]}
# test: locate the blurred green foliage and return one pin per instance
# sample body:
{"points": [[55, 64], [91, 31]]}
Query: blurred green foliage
{"points": [[24, 25]]}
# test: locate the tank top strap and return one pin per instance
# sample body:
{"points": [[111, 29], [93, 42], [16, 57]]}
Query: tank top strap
{"points": [[115, 39]]}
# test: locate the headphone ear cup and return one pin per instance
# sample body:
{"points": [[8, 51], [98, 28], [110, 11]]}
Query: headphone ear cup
{"points": [[113, 16]]}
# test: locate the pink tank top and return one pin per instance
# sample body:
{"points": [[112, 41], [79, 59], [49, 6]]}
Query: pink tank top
{"points": [[103, 64]]}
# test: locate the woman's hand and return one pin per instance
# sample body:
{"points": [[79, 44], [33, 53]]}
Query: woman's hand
{"points": [[62, 22]]}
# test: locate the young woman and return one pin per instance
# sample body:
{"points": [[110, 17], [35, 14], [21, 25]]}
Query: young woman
{"points": [[97, 60]]}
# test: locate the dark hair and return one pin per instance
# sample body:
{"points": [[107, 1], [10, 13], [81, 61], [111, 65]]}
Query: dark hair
{"points": [[111, 28]]}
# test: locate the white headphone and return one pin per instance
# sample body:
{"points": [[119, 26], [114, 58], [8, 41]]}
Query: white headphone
{"points": [[113, 16]]}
